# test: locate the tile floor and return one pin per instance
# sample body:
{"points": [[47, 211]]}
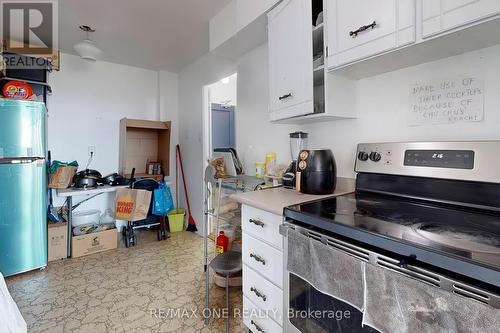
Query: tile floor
{"points": [[124, 290]]}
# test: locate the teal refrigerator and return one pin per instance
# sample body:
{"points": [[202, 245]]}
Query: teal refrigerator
{"points": [[23, 223]]}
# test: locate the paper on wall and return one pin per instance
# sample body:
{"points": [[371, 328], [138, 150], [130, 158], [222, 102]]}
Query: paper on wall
{"points": [[447, 101]]}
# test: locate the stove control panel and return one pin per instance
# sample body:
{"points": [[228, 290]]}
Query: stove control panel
{"points": [[454, 159], [475, 161]]}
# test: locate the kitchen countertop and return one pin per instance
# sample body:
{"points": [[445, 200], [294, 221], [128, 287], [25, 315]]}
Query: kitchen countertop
{"points": [[275, 199]]}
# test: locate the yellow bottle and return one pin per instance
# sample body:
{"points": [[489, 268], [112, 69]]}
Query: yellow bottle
{"points": [[270, 161]]}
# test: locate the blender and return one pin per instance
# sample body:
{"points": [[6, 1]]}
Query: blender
{"points": [[298, 141]]}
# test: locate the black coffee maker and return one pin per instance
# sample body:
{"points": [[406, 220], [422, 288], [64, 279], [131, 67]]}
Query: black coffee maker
{"points": [[298, 142]]}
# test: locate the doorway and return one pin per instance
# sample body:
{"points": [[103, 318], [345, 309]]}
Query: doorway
{"points": [[219, 116], [222, 106], [223, 130]]}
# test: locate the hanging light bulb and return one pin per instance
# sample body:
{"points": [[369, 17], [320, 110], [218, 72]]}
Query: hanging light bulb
{"points": [[87, 49]]}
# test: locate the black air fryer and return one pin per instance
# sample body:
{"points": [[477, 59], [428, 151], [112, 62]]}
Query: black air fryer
{"points": [[316, 171]]}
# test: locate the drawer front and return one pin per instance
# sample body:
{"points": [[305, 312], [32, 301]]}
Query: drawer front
{"points": [[263, 258], [263, 294], [257, 320], [262, 225]]}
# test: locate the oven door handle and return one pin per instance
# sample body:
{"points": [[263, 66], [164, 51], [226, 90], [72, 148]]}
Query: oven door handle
{"points": [[283, 229]]}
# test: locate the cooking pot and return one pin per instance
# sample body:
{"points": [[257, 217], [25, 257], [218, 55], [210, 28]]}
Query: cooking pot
{"points": [[115, 179], [121, 181], [110, 179], [89, 172], [86, 181], [87, 178]]}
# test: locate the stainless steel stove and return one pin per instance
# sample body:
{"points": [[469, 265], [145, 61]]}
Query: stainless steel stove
{"points": [[432, 209]]}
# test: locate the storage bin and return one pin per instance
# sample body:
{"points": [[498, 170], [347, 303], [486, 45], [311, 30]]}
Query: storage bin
{"points": [[176, 220]]}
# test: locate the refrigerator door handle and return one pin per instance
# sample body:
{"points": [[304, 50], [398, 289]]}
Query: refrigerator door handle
{"points": [[21, 160]]}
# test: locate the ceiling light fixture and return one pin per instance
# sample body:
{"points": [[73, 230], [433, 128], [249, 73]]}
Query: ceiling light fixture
{"points": [[87, 48]]}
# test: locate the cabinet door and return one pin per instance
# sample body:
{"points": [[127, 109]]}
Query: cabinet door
{"points": [[441, 15], [359, 29], [290, 58]]}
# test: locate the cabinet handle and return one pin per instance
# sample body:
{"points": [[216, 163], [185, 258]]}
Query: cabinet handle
{"points": [[285, 96], [258, 293], [257, 258], [355, 33], [257, 327], [257, 222]]}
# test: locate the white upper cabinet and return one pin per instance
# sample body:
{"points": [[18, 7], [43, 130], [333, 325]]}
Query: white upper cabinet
{"points": [[248, 11], [359, 29], [442, 15], [290, 59]]}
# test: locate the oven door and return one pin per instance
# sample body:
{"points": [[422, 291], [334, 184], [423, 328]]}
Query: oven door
{"points": [[308, 310]]}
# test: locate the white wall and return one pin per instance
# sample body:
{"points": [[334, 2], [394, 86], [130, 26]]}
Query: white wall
{"points": [[192, 79], [384, 101], [223, 93], [86, 106], [169, 110], [255, 135]]}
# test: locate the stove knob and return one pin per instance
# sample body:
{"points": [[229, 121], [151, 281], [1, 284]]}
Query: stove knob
{"points": [[375, 157], [362, 156]]}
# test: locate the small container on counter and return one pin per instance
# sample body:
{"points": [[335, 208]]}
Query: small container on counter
{"points": [[260, 169], [270, 160]]}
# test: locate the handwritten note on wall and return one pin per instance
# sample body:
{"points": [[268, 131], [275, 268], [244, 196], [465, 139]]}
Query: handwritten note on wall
{"points": [[447, 101]]}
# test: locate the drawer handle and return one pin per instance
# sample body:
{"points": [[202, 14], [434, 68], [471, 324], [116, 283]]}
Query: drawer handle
{"points": [[258, 293], [355, 33], [257, 258], [257, 327], [285, 96], [257, 222]]}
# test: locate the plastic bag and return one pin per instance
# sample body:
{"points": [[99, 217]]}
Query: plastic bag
{"points": [[162, 200], [58, 164]]}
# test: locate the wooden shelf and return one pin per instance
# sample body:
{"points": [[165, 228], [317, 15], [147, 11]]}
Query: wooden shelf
{"points": [[146, 124], [143, 141]]}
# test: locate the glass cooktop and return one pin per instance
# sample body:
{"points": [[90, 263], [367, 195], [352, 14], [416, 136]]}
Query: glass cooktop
{"points": [[472, 235]]}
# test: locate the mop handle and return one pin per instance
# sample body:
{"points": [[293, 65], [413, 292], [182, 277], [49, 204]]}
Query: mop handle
{"points": [[183, 178], [176, 180]]}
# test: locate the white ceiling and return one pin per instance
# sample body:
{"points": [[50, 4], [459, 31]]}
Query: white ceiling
{"points": [[153, 34]]}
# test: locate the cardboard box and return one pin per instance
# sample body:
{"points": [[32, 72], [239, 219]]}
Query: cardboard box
{"points": [[57, 236], [94, 243]]}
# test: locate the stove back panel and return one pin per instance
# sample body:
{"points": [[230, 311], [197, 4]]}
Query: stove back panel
{"points": [[467, 161], [463, 193]]}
